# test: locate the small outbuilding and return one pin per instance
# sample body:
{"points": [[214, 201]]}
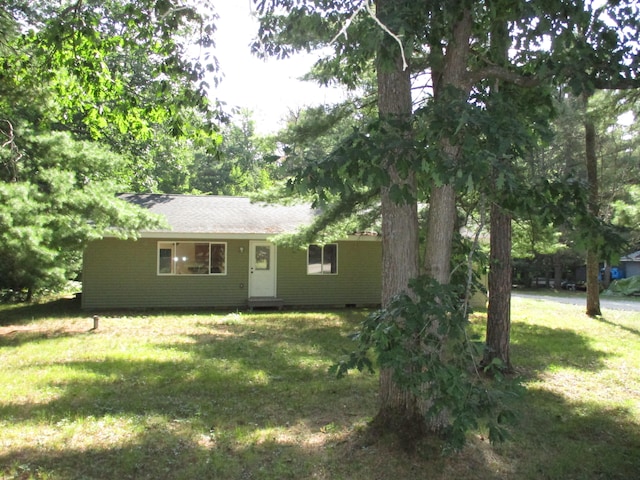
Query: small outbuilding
{"points": [[631, 264], [219, 252]]}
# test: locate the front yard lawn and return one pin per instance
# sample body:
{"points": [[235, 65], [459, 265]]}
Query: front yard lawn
{"points": [[247, 395]]}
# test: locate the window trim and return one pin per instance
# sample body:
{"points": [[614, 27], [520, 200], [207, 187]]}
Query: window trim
{"points": [[164, 245], [322, 262]]}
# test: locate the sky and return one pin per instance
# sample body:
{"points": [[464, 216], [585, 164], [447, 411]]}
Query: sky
{"points": [[270, 89]]}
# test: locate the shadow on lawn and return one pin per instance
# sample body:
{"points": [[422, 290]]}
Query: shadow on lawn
{"points": [[617, 325], [558, 438], [240, 401], [18, 337], [249, 376], [18, 314], [536, 348], [554, 439], [163, 451]]}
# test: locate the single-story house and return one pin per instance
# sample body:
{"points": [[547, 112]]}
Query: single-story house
{"points": [[218, 253], [631, 264]]}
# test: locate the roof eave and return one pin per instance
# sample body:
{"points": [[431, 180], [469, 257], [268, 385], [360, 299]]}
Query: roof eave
{"points": [[232, 236]]}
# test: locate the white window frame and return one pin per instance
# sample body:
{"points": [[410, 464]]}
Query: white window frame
{"points": [[322, 270], [171, 245]]}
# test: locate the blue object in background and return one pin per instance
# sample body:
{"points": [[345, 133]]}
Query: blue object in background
{"points": [[616, 273]]}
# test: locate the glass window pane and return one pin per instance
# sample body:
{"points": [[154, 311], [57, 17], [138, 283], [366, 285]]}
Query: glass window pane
{"points": [[200, 264], [330, 259], [218, 258], [314, 260], [185, 258], [165, 258], [191, 258], [263, 257]]}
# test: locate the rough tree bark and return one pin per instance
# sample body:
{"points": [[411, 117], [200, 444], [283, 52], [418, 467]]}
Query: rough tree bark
{"points": [[442, 201], [557, 270], [498, 333], [450, 84], [442, 217], [499, 310], [398, 408]]}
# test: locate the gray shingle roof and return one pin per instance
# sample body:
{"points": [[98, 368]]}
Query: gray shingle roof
{"points": [[632, 257], [212, 214]]}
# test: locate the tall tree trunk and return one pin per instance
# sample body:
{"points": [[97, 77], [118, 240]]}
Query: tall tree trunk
{"points": [[499, 310], [450, 86], [442, 202], [442, 217], [497, 339], [593, 262], [399, 408], [593, 287], [606, 276]]}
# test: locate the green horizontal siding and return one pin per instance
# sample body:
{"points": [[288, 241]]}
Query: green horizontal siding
{"points": [[358, 281], [123, 274]]}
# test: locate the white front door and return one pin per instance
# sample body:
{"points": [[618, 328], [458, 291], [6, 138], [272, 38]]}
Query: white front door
{"points": [[262, 269]]}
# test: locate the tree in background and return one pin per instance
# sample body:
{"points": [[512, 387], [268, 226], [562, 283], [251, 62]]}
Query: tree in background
{"points": [[605, 59], [611, 170], [242, 165], [125, 64], [60, 197], [626, 213], [79, 81], [561, 248], [621, 166]]}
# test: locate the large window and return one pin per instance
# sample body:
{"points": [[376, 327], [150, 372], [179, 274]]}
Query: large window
{"points": [[322, 259], [192, 258]]}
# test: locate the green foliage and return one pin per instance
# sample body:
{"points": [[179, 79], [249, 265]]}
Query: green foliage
{"points": [[358, 154], [61, 195], [506, 114], [323, 147], [241, 164], [627, 212], [492, 130], [422, 338], [105, 61], [551, 206], [117, 71], [357, 214], [495, 128], [287, 27]]}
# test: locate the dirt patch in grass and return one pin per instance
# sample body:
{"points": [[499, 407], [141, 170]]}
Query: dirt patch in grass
{"points": [[19, 330]]}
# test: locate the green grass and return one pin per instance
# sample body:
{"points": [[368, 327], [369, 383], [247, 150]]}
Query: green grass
{"points": [[247, 395]]}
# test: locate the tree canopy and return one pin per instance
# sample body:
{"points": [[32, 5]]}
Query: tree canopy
{"points": [[86, 89]]}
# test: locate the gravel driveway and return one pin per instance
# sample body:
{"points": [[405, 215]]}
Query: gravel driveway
{"points": [[606, 302]]}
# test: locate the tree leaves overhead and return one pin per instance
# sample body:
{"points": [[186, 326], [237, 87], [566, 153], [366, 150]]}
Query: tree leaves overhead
{"points": [[584, 44], [596, 46], [87, 52]]}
